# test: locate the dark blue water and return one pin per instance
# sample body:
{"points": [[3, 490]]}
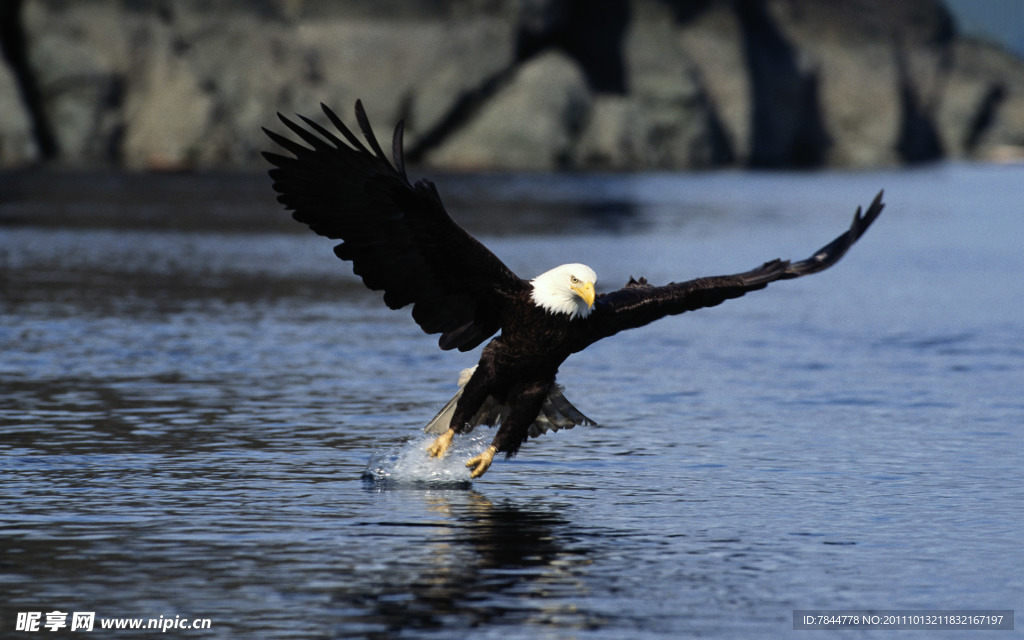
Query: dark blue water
{"points": [[191, 391]]}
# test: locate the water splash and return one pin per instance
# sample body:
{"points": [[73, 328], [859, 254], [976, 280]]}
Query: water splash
{"points": [[409, 464]]}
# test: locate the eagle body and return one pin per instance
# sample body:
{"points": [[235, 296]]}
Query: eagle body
{"points": [[402, 241], [517, 370]]}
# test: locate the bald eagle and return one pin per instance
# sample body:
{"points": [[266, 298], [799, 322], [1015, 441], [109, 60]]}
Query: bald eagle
{"points": [[401, 241]]}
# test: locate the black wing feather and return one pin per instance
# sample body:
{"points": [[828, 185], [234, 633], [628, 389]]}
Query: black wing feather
{"points": [[345, 131], [639, 303], [398, 235], [397, 152], [364, 126]]}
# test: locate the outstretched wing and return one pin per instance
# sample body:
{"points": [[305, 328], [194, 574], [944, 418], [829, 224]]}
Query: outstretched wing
{"points": [[398, 235], [640, 303]]}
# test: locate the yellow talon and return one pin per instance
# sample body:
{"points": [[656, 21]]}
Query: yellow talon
{"points": [[481, 463], [440, 446]]}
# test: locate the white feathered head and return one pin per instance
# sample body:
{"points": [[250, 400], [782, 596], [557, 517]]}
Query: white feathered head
{"points": [[567, 289]]}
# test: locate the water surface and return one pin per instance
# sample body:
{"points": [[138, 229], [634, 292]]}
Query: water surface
{"points": [[191, 389]]}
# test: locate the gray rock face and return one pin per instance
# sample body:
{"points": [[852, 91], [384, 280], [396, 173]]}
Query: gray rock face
{"points": [[530, 124], [507, 85], [666, 119], [17, 144]]}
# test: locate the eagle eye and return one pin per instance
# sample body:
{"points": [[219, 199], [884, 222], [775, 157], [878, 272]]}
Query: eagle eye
{"points": [[574, 279]]}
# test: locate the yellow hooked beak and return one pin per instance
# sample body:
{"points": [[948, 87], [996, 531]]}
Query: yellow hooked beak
{"points": [[584, 290]]}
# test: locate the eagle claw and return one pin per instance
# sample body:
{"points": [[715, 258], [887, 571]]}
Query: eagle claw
{"points": [[441, 444], [481, 463]]}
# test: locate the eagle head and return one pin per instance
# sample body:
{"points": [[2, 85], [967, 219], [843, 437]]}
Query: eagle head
{"points": [[567, 289]]}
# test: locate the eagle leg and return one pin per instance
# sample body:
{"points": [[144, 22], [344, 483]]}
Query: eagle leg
{"points": [[441, 444], [481, 463]]}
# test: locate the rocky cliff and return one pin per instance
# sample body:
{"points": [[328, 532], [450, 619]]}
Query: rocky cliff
{"points": [[508, 85]]}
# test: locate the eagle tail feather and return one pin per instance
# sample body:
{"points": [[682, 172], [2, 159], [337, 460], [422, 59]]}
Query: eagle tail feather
{"points": [[556, 413], [439, 423]]}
